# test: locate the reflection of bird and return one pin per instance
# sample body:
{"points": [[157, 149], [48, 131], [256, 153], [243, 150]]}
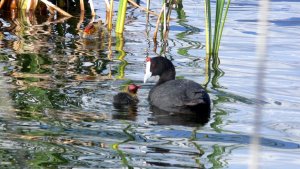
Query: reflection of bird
{"points": [[128, 97], [162, 117], [127, 112], [176, 96]]}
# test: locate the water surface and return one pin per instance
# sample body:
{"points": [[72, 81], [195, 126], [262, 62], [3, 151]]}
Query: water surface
{"points": [[56, 92]]}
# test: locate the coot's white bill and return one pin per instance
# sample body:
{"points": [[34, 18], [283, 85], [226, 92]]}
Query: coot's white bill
{"points": [[147, 72]]}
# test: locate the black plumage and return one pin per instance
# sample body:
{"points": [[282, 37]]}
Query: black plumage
{"points": [[128, 97], [177, 96]]}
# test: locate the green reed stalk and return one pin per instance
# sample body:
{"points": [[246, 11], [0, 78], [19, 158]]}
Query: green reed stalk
{"points": [[218, 19], [223, 23], [121, 16], [212, 47]]}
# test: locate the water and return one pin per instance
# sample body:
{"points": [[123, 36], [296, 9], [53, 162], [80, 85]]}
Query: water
{"points": [[56, 93]]}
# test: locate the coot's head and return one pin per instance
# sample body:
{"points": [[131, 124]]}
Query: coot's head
{"points": [[132, 88], [159, 66]]}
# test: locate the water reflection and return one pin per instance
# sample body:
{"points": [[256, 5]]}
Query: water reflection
{"points": [[228, 138], [54, 69], [57, 89], [187, 118], [125, 112], [121, 56], [186, 30]]}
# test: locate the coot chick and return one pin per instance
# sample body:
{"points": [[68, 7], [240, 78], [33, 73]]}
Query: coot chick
{"points": [[93, 30], [176, 96], [128, 97]]}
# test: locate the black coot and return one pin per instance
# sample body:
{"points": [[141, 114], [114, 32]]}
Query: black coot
{"points": [[176, 96], [128, 97]]}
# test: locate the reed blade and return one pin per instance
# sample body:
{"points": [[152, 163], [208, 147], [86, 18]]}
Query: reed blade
{"points": [[121, 16], [218, 20], [223, 23], [213, 40]]}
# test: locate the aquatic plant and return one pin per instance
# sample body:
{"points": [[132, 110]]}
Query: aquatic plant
{"points": [[213, 43], [121, 16]]}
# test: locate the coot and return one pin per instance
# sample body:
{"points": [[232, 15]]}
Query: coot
{"points": [[93, 30], [128, 97], [177, 96]]}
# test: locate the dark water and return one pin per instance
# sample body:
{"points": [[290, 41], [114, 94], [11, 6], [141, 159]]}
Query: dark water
{"points": [[56, 92]]}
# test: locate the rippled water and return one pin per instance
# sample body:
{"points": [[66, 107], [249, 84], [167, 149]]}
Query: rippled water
{"points": [[56, 92]]}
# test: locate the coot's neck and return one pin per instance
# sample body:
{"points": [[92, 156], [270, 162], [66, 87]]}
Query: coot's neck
{"points": [[166, 76]]}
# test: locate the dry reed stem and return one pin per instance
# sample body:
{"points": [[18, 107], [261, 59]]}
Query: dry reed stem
{"points": [[109, 47], [34, 4], [51, 10], [148, 5], [92, 19], [157, 24], [27, 75], [109, 15], [142, 8], [28, 6], [166, 32], [92, 8], [165, 18], [1, 3], [81, 18], [97, 78], [81, 5], [13, 5], [56, 8], [49, 22], [107, 5]]}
